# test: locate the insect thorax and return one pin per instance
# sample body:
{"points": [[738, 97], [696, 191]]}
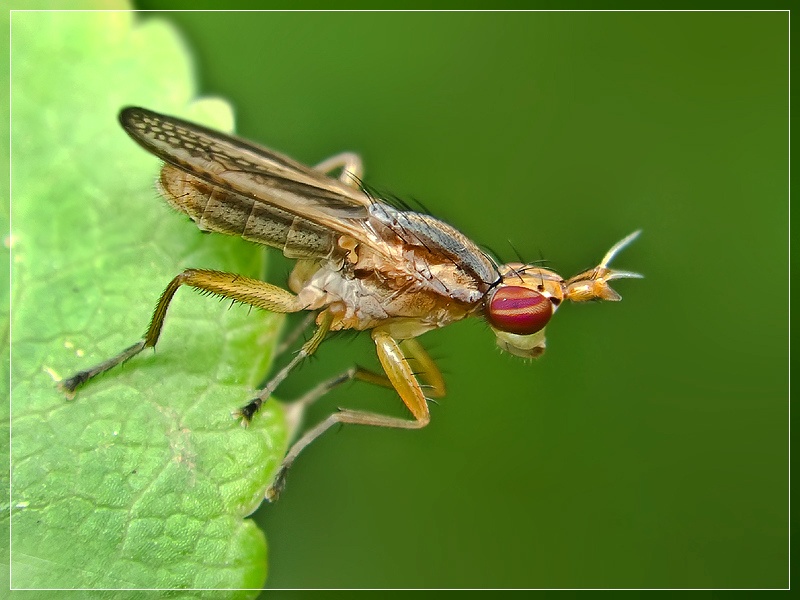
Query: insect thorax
{"points": [[367, 290]]}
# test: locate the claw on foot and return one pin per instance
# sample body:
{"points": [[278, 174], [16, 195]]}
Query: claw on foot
{"points": [[71, 385], [276, 488], [247, 412]]}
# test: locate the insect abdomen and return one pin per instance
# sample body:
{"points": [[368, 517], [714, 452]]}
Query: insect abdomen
{"points": [[216, 209]]}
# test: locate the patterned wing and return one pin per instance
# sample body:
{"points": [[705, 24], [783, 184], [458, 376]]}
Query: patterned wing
{"points": [[244, 168]]}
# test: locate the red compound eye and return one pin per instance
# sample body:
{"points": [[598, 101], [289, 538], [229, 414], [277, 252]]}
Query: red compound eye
{"points": [[520, 310]]}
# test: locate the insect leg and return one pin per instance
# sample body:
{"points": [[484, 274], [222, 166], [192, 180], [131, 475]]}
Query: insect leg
{"points": [[351, 165], [296, 408], [425, 368], [228, 285], [404, 382], [246, 412], [290, 339], [71, 384]]}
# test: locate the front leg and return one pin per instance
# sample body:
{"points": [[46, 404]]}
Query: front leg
{"points": [[402, 378]]}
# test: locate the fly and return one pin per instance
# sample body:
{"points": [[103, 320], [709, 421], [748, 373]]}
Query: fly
{"points": [[362, 264]]}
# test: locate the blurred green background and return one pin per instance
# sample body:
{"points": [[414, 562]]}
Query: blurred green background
{"points": [[649, 446]]}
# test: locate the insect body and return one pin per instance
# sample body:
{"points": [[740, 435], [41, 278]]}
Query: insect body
{"points": [[362, 264]]}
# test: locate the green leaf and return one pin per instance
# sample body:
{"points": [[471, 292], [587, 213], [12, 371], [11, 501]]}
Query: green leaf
{"points": [[145, 479], [4, 299]]}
